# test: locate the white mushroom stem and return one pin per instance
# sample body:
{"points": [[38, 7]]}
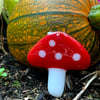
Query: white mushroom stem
{"points": [[56, 81]]}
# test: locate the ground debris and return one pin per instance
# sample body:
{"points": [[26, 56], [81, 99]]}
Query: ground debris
{"points": [[23, 83]]}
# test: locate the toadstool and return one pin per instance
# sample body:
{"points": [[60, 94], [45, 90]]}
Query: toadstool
{"points": [[58, 52]]}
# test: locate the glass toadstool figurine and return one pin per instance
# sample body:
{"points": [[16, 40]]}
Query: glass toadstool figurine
{"points": [[58, 52]]}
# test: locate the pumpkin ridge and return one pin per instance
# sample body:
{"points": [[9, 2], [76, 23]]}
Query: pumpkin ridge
{"points": [[85, 31], [93, 44], [93, 2], [80, 3], [88, 4], [21, 44], [73, 6], [86, 35], [45, 13], [89, 44], [74, 32]]}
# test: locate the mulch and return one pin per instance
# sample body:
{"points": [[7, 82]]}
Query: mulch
{"points": [[24, 83]]}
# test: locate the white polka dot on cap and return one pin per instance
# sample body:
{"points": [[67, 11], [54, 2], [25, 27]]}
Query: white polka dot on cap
{"points": [[52, 43], [42, 53], [76, 57], [58, 56]]}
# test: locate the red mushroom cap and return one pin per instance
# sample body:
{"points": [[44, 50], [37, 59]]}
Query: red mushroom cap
{"points": [[59, 50]]}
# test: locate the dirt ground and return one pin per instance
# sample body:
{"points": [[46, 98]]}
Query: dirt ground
{"points": [[23, 83]]}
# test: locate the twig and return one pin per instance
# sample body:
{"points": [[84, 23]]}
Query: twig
{"points": [[1, 38], [87, 76], [3, 50], [96, 72], [85, 87]]}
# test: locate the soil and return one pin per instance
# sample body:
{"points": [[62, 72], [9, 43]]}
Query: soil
{"points": [[24, 83]]}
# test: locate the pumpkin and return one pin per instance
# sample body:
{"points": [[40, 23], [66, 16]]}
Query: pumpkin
{"points": [[31, 20]]}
